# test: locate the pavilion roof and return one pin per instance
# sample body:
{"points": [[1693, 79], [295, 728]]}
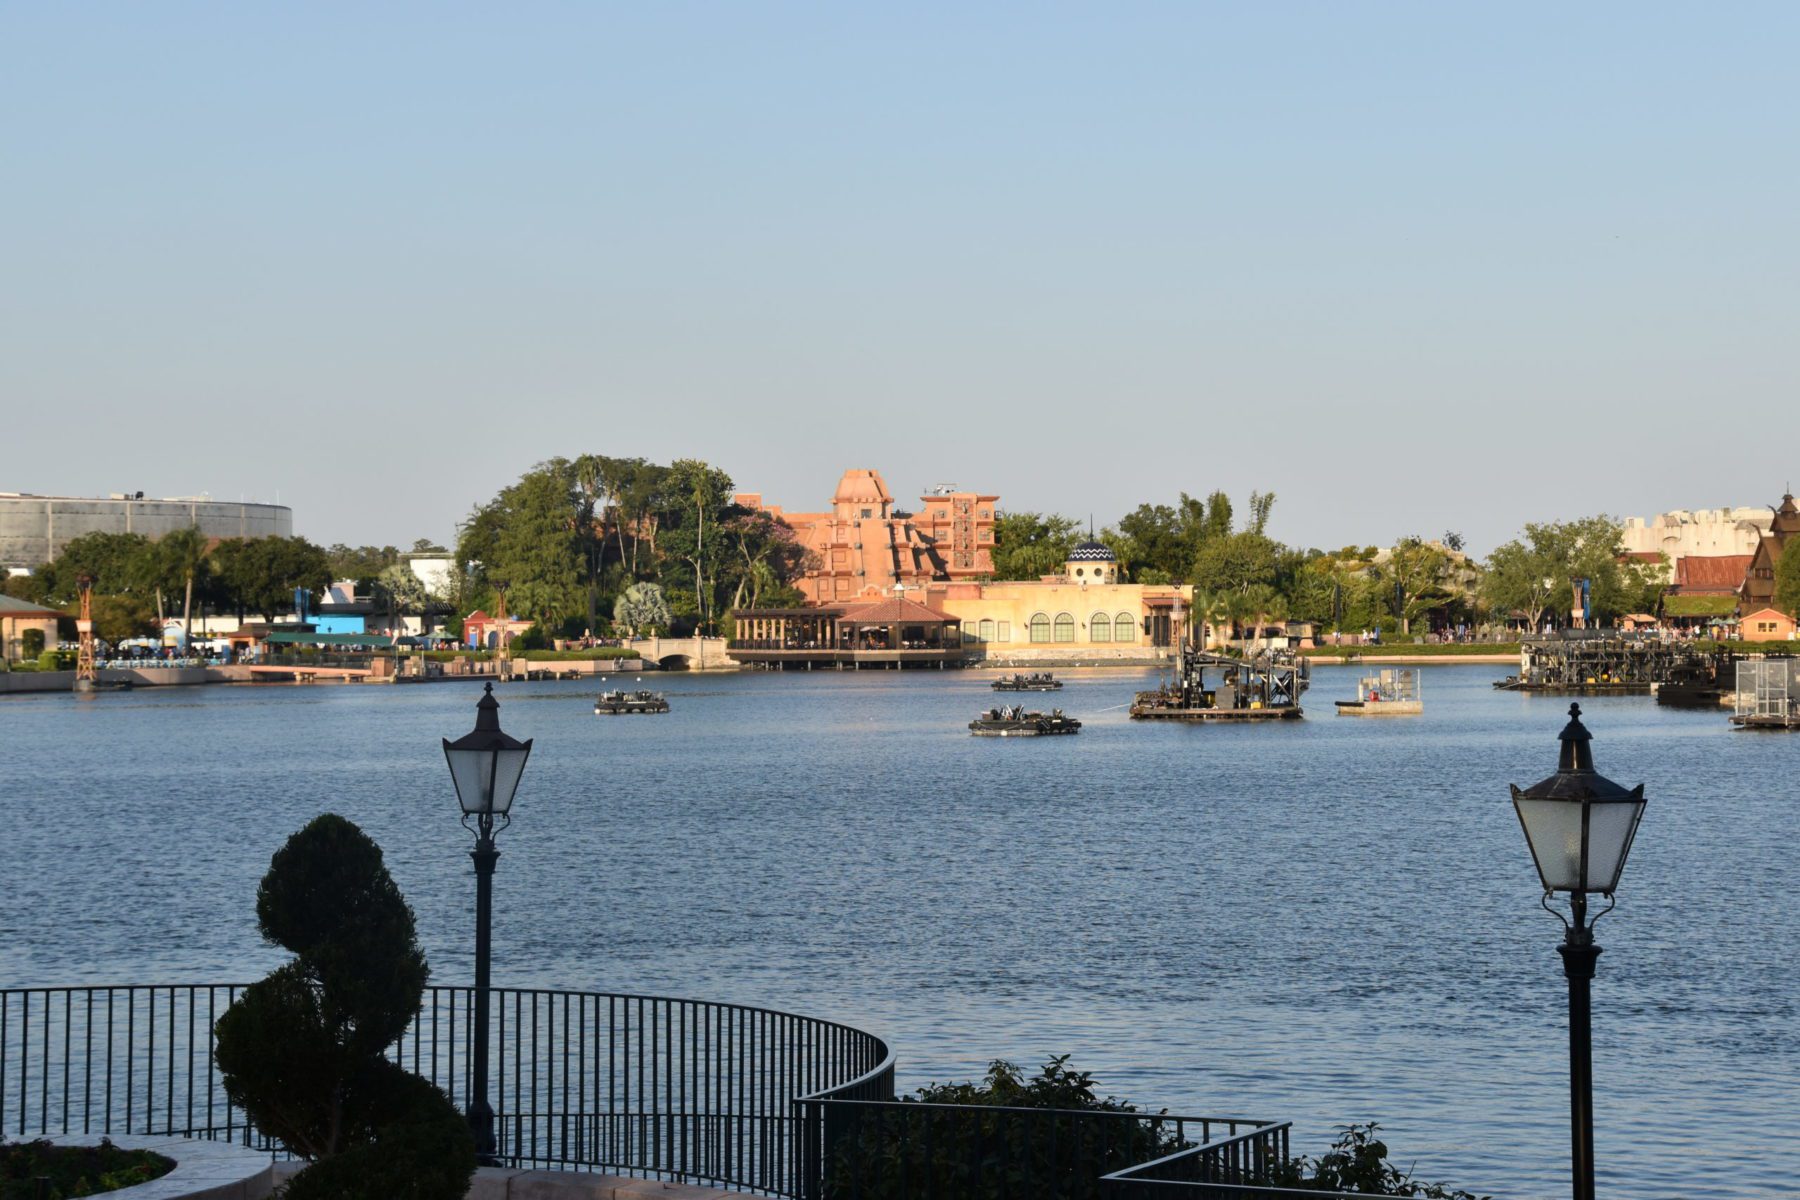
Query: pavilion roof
{"points": [[897, 610], [12, 606]]}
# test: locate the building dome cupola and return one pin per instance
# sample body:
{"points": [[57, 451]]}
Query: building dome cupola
{"points": [[1092, 562]]}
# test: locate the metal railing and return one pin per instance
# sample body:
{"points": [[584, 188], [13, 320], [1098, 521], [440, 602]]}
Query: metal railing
{"points": [[875, 1147], [639, 1085], [1239, 1166]]}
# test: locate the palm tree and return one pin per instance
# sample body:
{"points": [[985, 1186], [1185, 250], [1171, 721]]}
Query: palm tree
{"points": [[1266, 605], [1238, 609], [183, 554], [1209, 613]]}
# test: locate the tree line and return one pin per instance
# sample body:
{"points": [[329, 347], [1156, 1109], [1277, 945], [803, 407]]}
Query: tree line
{"points": [[140, 583], [597, 544], [1242, 575]]}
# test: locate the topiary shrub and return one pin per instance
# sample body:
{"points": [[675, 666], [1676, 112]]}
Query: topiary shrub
{"points": [[56, 660], [301, 1051], [31, 642]]}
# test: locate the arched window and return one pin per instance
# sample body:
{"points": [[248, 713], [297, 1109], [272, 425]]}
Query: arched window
{"points": [[985, 630], [1065, 627], [1040, 628], [1125, 628], [1099, 628]]}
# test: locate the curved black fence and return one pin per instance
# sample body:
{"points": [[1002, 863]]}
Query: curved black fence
{"points": [[639, 1085]]}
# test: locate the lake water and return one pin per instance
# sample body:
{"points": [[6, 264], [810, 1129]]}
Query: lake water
{"points": [[1326, 921]]}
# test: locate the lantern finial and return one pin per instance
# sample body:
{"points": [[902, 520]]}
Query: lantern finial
{"points": [[1577, 754]]}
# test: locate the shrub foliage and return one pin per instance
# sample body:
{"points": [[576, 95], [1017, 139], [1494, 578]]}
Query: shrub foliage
{"points": [[905, 1151], [302, 1049]]}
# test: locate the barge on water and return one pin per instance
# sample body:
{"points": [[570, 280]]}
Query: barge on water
{"points": [[1386, 693], [1701, 680], [1582, 662], [1016, 722], [1029, 683], [1768, 693], [1264, 687], [616, 704]]}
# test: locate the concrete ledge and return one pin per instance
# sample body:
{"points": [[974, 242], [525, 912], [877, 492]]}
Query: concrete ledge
{"points": [[504, 1183], [203, 1170]]}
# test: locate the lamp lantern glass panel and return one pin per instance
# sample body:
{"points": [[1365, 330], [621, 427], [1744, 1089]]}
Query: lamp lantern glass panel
{"points": [[1579, 823], [485, 764], [486, 779]]}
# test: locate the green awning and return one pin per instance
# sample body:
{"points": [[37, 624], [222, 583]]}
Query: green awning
{"points": [[1699, 606], [374, 641]]}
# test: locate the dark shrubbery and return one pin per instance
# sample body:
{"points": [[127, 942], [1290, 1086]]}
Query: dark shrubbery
{"points": [[56, 660], [75, 1170], [31, 643], [901, 1153], [302, 1050], [1358, 1162]]}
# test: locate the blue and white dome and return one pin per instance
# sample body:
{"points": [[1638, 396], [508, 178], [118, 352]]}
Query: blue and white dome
{"points": [[1091, 551]]}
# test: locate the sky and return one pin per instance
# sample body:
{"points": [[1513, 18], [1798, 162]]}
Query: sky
{"points": [[1411, 267]]}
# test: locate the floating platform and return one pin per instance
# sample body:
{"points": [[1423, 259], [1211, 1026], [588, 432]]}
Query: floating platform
{"points": [[1028, 683], [1264, 688], [1387, 693], [1152, 711], [1597, 663], [1768, 693], [1015, 722], [618, 704]]}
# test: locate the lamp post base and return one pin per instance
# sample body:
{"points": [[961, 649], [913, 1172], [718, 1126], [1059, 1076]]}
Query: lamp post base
{"points": [[481, 1128]]}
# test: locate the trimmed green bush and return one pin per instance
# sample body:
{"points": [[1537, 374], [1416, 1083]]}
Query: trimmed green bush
{"points": [[302, 1050], [31, 643], [75, 1170], [56, 660]]}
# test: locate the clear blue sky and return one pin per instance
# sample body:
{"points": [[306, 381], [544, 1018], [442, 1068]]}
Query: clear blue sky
{"points": [[1410, 266]]}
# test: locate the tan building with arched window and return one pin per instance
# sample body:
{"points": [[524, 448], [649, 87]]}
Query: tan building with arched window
{"points": [[1082, 615]]}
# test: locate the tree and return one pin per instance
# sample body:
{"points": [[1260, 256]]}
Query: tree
{"points": [[697, 490], [183, 553], [537, 549], [1787, 581], [114, 561], [1535, 575], [303, 1051], [767, 556], [1029, 545], [641, 606], [401, 592], [361, 563], [1416, 570], [1237, 562], [262, 574]]}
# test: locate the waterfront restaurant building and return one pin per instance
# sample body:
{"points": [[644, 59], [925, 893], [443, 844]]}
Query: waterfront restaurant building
{"points": [[1083, 614], [890, 632]]}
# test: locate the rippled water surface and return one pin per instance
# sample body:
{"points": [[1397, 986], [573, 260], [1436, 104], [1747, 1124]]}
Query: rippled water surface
{"points": [[1323, 921]]}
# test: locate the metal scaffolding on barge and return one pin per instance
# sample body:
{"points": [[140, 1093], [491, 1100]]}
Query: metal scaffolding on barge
{"points": [[1263, 687], [1581, 663]]}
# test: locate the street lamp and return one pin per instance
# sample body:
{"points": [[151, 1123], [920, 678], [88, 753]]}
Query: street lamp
{"points": [[1579, 825], [485, 765]]}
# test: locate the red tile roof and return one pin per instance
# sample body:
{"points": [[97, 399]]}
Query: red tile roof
{"points": [[1697, 572]]}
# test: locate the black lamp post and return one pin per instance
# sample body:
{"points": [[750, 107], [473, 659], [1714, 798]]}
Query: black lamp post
{"points": [[485, 765], [1579, 825]]}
